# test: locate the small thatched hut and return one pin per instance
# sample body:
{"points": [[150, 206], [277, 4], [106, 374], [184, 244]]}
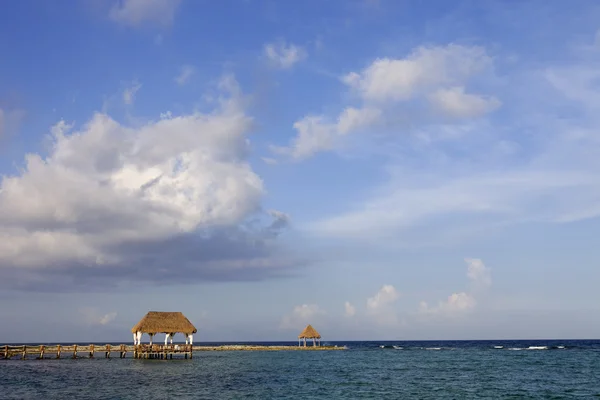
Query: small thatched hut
{"points": [[168, 323], [309, 333]]}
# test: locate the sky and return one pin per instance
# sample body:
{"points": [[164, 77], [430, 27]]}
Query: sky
{"points": [[381, 169]]}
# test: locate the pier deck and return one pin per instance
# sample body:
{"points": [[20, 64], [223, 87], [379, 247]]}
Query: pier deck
{"points": [[142, 351]]}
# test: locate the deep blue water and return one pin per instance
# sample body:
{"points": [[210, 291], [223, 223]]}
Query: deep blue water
{"points": [[556, 369]]}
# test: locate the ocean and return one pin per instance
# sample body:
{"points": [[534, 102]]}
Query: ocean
{"points": [[533, 369]]}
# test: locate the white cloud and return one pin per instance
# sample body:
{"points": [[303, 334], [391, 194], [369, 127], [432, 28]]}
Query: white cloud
{"points": [[424, 69], [352, 119], [385, 296], [461, 302], [380, 307], [301, 316], [130, 92], [349, 309], [454, 102], [316, 134], [398, 89], [478, 273], [107, 318], [110, 197], [185, 74], [269, 160], [282, 56], [137, 12], [456, 303]]}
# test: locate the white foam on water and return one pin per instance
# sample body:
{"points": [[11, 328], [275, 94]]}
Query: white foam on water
{"points": [[516, 348], [560, 347], [498, 347], [398, 347], [537, 348], [433, 348]]}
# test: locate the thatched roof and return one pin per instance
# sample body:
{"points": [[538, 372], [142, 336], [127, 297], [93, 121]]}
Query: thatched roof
{"points": [[164, 322], [309, 333]]}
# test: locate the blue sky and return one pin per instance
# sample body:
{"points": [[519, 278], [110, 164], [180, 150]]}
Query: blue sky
{"points": [[381, 169]]}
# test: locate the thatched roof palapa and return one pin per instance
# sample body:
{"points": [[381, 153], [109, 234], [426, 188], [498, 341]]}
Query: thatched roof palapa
{"points": [[309, 333], [164, 322]]}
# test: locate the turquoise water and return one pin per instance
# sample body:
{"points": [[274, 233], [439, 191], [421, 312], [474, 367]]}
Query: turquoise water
{"points": [[458, 370]]}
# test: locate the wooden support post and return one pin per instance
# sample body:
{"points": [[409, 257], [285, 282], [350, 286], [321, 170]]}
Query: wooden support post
{"points": [[42, 348], [92, 351], [24, 355], [191, 351], [58, 351], [107, 351], [6, 352], [74, 351]]}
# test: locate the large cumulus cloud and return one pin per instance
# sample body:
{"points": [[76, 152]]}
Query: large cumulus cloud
{"points": [[173, 200]]}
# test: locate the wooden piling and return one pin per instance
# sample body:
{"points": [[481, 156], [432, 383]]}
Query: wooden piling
{"points": [[74, 351], [42, 348], [58, 351], [107, 355], [24, 355], [92, 351], [6, 352]]}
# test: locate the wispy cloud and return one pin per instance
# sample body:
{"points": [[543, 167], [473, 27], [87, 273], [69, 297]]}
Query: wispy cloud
{"points": [[138, 12], [185, 74], [130, 92], [284, 56]]}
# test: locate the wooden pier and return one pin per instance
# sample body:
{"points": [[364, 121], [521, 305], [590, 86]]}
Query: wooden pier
{"points": [[142, 351]]}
